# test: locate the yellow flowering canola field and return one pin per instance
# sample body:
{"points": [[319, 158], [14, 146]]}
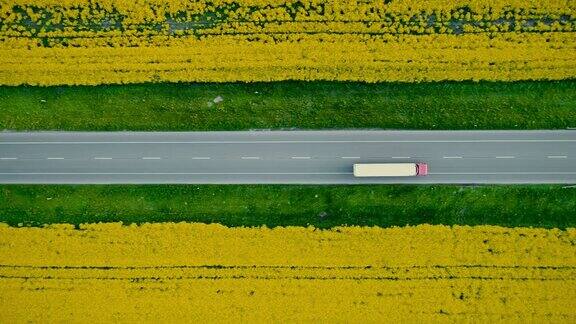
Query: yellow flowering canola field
{"points": [[190, 272], [51, 42]]}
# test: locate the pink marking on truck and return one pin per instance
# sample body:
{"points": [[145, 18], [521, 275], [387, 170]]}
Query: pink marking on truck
{"points": [[422, 169]]}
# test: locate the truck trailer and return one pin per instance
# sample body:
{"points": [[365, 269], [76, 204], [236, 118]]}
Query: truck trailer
{"points": [[390, 169]]}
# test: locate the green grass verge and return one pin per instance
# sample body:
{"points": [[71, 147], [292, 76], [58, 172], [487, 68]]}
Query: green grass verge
{"points": [[305, 105], [281, 205]]}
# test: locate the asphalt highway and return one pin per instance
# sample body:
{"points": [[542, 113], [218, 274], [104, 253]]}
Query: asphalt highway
{"points": [[298, 157]]}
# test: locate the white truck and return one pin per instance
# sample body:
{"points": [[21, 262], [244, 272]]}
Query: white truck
{"points": [[390, 169]]}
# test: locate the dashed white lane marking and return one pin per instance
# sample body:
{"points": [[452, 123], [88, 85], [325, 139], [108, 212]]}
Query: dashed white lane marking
{"points": [[301, 157], [55, 158], [350, 157], [505, 157], [557, 156], [452, 157], [400, 157], [151, 158], [250, 158], [8, 158], [201, 158], [102, 158]]}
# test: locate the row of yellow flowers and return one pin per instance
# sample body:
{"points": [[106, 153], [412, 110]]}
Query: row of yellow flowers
{"points": [[185, 272], [51, 42], [112, 244], [144, 11], [47, 21], [508, 56]]}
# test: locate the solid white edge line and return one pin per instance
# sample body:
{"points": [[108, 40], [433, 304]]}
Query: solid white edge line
{"points": [[288, 142], [272, 173], [495, 173], [171, 173]]}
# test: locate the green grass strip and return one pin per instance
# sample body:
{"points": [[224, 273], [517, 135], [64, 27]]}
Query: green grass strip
{"points": [[281, 205], [304, 105]]}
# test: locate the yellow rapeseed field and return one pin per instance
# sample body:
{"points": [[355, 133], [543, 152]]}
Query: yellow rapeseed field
{"points": [[50, 42], [191, 272]]}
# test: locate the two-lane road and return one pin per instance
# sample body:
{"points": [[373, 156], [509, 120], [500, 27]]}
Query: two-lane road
{"points": [[285, 156]]}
